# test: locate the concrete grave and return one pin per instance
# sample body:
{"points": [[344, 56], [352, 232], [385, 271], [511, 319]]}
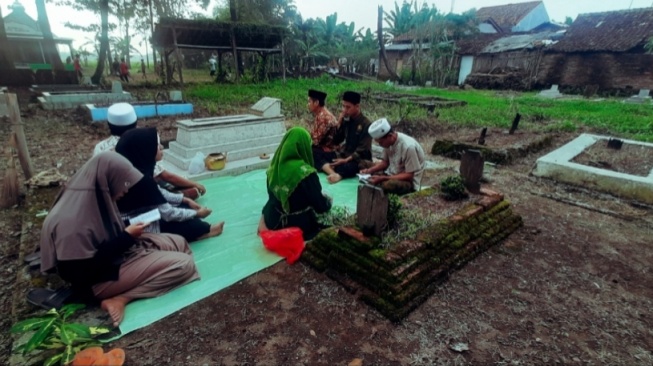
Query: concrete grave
{"points": [[558, 165], [550, 93], [641, 98], [247, 140], [71, 99], [144, 109]]}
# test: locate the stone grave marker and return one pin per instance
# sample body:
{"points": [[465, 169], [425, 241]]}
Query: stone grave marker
{"points": [[550, 93], [371, 209], [471, 170], [266, 107], [642, 97], [116, 87]]}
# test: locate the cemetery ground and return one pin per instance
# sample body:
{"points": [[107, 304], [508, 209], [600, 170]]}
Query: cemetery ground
{"points": [[572, 286]]}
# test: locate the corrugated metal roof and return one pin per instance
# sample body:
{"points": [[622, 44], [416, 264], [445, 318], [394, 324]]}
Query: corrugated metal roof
{"points": [[475, 44], [406, 46], [506, 16], [523, 41], [615, 31]]}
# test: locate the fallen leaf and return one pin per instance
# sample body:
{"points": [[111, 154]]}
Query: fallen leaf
{"points": [[356, 362]]}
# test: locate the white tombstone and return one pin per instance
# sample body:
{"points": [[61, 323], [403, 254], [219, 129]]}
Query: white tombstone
{"points": [[642, 97], [175, 96], [550, 93], [116, 87], [266, 107]]}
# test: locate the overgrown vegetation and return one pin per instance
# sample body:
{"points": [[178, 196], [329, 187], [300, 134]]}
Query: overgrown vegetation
{"points": [[337, 216]]}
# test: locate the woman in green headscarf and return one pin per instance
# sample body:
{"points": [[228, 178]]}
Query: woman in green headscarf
{"points": [[294, 189]]}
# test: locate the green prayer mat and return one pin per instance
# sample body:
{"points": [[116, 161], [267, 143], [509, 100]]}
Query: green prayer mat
{"points": [[234, 255]]}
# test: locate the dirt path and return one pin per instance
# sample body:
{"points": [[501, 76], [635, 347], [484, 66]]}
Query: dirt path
{"points": [[570, 287]]}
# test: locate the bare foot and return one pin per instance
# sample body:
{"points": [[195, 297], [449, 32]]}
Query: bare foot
{"points": [[334, 178], [115, 306], [216, 229]]}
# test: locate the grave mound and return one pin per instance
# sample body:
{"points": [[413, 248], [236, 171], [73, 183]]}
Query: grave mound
{"points": [[396, 278]]}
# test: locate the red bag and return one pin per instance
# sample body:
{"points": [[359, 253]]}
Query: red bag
{"points": [[288, 242]]}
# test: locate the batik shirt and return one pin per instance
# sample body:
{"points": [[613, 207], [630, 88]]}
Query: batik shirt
{"points": [[405, 156], [324, 129], [110, 143]]}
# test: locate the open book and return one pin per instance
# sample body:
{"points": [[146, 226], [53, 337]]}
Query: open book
{"points": [[146, 217], [363, 177]]}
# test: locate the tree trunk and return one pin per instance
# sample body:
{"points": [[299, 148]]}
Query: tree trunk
{"points": [[232, 33], [152, 30], [49, 47], [127, 39], [104, 42], [6, 60], [382, 56]]}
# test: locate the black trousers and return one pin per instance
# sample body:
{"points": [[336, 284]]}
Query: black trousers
{"points": [[191, 229], [321, 157]]}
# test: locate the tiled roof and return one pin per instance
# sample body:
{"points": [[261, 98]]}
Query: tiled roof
{"points": [[506, 16], [615, 31], [476, 43]]}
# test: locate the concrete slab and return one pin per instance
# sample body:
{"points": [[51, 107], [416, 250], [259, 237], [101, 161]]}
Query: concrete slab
{"points": [[558, 165], [236, 167]]}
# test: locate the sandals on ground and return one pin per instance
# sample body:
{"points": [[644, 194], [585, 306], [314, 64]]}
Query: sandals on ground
{"points": [[48, 299]]}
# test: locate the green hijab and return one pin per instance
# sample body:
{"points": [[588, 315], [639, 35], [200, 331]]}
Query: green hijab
{"points": [[292, 162]]}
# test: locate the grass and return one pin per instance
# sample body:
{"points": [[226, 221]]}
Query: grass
{"points": [[485, 108], [490, 108]]}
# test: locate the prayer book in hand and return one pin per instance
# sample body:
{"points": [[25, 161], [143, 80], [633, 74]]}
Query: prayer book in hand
{"points": [[146, 217]]}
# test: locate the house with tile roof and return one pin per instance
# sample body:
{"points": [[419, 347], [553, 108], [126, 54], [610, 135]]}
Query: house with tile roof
{"points": [[604, 49], [512, 18]]}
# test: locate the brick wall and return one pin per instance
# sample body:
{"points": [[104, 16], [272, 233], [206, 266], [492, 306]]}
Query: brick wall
{"points": [[607, 70]]}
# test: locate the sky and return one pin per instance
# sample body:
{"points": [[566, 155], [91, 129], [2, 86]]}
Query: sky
{"points": [[362, 12]]}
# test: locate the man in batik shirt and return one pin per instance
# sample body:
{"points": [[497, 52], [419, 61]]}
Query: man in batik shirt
{"points": [[324, 125]]}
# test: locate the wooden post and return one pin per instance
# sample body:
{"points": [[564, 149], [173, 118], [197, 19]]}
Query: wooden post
{"points": [[179, 60], [481, 139], [515, 123], [17, 128], [372, 209], [471, 170]]}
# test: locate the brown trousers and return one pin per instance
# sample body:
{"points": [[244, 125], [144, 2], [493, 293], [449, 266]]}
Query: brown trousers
{"points": [[155, 265]]}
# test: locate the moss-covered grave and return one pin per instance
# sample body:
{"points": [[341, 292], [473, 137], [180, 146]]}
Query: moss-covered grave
{"points": [[397, 279], [495, 154]]}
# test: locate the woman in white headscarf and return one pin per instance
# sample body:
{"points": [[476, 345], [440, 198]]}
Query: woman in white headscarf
{"points": [[85, 240]]}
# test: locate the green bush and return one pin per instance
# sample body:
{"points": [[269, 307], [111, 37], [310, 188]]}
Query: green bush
{"points": [[452, 188]]}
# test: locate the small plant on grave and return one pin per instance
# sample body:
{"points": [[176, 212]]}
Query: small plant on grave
{"points": [[394, 207], [337, 216], [452, 188], [53, 331], [409, 223]]}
